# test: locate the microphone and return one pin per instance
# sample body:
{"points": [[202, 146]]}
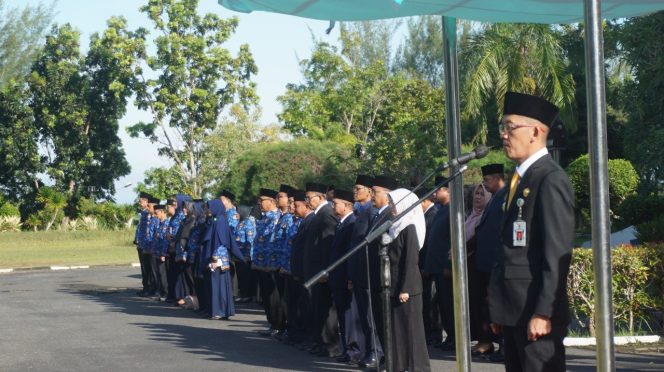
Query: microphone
{"points": [[477, 153]]}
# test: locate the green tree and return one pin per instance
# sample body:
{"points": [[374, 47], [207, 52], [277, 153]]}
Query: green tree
{"points": [[526, 58], [421, 52], [77, 102], [20, 161], [195, 79], [20, 33], [643, 49], [163, 183], [295, 162]]}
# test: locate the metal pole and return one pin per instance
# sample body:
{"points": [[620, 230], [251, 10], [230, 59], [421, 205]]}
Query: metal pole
{"points": [[599, 185], [457, 218], [385, 279]]}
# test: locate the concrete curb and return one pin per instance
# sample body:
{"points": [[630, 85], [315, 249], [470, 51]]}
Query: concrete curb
{"points": [[60, 268], [619, 340]]}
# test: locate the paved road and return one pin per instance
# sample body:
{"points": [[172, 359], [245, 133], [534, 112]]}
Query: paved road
{"points": [[85, 320]]}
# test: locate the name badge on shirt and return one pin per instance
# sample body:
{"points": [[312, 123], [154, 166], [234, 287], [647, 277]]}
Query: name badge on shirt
{"points": [[519, 228]]}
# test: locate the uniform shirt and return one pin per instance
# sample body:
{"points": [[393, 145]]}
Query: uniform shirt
{"points": [[244, 236], [152, 226], [262, 244], [233, 218], [142, 229], [285, 261], [160, 243], [279, 241], [174, 226], [194, 242]]}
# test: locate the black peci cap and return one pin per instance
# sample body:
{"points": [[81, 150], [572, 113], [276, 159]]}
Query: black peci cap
{"points": [[344, 195], [440, 179], [385, 182], [144, 195], [228, 194], [153, 200], [268, 193], [170, 201], [530, 106], [287, 189], [315, 187], [299, 195], [159, 207], [496, 168], [364, 180]]}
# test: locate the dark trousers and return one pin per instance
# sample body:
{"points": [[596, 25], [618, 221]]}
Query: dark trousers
{"points": [[324, 327], [377, 310], [545, 354], [479, 306], [433, 328], [171, 274], [367, 323], [144, 274], [161, 272], [270, 300], [445, 300], [150, 280], [246, 280], [297, 305], [342, 298]]}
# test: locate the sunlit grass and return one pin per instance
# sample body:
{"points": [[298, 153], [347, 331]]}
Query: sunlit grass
{"points": [[47, 248]]}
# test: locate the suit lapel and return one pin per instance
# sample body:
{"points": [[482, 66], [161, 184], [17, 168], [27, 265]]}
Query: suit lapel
{"points": [[525, 182]]}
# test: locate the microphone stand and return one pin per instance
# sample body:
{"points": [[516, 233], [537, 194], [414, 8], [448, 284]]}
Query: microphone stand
{"points": [[385, 277]]}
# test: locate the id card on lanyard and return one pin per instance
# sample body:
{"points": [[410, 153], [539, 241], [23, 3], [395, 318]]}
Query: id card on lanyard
{"points": [[519, 228]]}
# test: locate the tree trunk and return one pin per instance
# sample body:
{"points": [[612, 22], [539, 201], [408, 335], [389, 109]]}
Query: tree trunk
{"points": [[50, 223]]}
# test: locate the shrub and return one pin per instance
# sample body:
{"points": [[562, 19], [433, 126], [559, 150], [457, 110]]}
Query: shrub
{"points": [[637, 209], [10, 223], [651, 231], [87, 223], [623, 182], [8, 209], [637, 285], [107, 215]]}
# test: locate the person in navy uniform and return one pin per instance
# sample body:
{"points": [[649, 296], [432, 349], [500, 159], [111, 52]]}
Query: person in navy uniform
{"points": [[299, 305], [318, 245], [430, 311], [487, 242], [244, 236], [160, 250], [232, 216], [148, 247], [263, 258], [139, 237], [528, 300], [279, 243], [438, 265], [338, 278], [358, 273]]}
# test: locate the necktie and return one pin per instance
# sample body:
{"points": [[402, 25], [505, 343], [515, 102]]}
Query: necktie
{"points": [[513, 183]]}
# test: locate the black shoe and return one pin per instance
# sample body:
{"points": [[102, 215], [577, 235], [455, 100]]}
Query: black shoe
{"points": [[314, 349], [343, 358], [278, 335], [448, 346], [266, 332], [369, 362]]}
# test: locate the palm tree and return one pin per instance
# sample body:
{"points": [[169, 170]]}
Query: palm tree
{"points": [[526, 58], [53, 202]]}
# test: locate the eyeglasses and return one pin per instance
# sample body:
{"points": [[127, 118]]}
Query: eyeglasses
{"points": [[511, 127], [262, 199], [311, 197], [359, 187]]}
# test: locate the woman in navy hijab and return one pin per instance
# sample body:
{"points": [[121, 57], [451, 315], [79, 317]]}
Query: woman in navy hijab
{"points": [[220, 243]]}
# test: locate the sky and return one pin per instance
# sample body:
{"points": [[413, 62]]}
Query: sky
{"points": [[276, 42]]}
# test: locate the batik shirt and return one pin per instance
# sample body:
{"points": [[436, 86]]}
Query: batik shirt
{"points": [[160, 243], [224, 260], [174, 226], [288, 246], [263, 247], [142, 229], [233, 218], [152, 226], [280, 239], [244, 236]]}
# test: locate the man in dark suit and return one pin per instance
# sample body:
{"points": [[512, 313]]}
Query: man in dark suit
{"points": [[527, 292], [357, 269], [438, 266], [430, 313], [487, 242], [342, 203], [299, 304], [382, 185], [318, 245]]}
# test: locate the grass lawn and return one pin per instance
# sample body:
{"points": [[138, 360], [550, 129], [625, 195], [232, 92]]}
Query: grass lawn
{"points": [[46, 248]]}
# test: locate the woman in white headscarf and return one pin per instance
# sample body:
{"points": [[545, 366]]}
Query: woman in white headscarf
{"points": [[405, 239]]}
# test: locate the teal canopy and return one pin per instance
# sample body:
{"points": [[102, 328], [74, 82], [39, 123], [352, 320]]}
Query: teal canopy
{"points": [[514, 11]]}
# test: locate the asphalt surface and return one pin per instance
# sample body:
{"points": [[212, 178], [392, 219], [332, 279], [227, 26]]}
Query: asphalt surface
{"points": [[84, 320]]}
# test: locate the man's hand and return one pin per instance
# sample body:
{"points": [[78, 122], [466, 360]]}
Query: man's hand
{"points": [[350, 285], [163, 259], [538, 326], [403, 297], [497, 329]]}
